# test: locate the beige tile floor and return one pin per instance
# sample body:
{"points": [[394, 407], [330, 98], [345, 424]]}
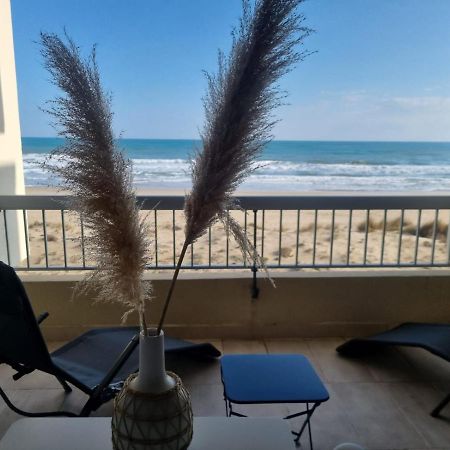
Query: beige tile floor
{"points": [[380, 402]]}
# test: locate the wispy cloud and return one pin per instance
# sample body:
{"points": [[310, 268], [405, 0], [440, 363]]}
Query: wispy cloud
{"points": [[363, 115], [430, 102]]}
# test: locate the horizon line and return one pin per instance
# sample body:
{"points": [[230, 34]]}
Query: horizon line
{"points": [[272, 140]]}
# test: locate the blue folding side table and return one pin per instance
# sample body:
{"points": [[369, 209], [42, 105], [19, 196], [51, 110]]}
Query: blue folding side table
{"points": [[278, 378]]}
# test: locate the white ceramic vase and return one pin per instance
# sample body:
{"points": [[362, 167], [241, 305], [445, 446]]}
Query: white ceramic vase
{"points": [[153, 411]]}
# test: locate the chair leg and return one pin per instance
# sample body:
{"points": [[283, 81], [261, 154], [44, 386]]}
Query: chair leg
{"points": [[64, 384], [436, 411], [94, 402], [90, 406], [28, 414]]}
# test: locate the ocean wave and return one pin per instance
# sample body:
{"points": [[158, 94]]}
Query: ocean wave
{"points": [[339, 183], [281, 175], [347, 169]]}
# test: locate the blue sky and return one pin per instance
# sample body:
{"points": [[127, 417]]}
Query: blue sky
{"points": [[381, 71]]}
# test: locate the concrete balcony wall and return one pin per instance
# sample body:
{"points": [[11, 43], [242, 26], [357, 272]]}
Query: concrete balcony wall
{"points": [[11, 165], [303, 305]]}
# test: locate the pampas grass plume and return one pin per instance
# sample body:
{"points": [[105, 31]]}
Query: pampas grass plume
{"points": [[99, 177], [238, 107]]}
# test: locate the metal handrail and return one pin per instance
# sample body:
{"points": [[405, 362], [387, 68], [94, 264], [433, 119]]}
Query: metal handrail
{"points": [[310, 245], [354, 201]]}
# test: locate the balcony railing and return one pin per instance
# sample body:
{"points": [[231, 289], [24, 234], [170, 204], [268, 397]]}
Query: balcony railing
{"points": [[290, 232]]}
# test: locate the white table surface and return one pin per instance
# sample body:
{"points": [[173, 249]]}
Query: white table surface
{"points": [[94, 433]]}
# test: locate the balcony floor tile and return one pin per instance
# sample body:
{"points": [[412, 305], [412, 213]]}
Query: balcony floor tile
{"points": [[381, 402]]}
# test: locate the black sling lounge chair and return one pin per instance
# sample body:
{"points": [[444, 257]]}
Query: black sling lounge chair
{"points": [[96, 362], [432, 337]]}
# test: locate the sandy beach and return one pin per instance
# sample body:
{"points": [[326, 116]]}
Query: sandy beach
{"points": [[168, 239]]}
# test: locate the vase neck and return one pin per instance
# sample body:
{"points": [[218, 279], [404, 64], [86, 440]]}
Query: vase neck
{"points": [[152, 376]]}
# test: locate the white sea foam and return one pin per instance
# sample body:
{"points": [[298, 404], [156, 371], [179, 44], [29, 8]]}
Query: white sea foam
{"points": [[280, 175]]}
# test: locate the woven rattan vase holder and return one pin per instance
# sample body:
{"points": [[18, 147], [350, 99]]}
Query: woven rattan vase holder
{"points": [[153, 410]]}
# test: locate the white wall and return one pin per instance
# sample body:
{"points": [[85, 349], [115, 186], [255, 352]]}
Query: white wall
{"points": [[11, 165]]}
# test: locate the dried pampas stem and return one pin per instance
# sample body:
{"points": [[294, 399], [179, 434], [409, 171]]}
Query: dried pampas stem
{"points": [[100, 178], [238, 106]]}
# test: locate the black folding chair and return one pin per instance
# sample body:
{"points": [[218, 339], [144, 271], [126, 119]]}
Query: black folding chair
{"points": [[433, 337], [96, 362]]}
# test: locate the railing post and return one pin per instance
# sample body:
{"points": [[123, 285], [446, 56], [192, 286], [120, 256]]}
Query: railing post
{"points": [[254, 288]]}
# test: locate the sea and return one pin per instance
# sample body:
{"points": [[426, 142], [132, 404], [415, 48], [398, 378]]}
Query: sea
{"points": [[284, 166]]}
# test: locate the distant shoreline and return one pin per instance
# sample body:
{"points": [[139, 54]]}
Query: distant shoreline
{"points": [[44, 190]]}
